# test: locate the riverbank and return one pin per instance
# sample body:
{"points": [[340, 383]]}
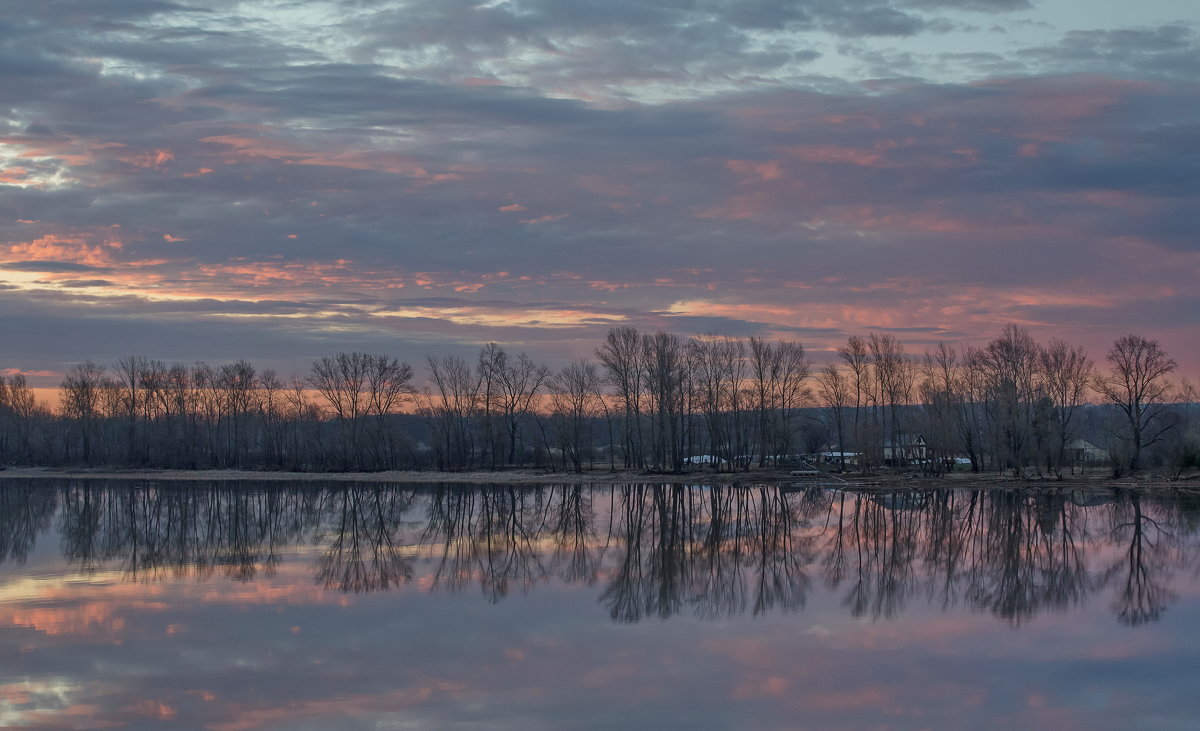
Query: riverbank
{"points": [[529, 477]]}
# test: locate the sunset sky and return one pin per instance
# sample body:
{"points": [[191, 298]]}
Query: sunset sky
{"points": [[280, 180]]}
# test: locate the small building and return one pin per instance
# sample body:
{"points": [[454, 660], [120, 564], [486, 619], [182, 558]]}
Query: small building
{"points": [[838, 458], [906, 449], [1081, 451], [703, 459]]}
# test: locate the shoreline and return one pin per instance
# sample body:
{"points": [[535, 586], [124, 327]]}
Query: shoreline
{"points": [[529, 477]]}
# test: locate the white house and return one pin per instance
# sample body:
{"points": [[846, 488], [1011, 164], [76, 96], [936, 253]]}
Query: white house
{"points": [[908, 448], [1081, 451]]}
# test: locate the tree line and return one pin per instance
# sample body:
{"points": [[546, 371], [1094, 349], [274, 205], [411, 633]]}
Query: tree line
{"points": [[655, 402]]}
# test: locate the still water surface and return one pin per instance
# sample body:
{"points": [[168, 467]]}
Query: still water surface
{"points": [[240, 606]]}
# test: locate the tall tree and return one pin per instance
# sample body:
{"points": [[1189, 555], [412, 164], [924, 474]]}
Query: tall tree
{"points": [[129, 372], [80, 393], [519, 381], [621, 354], [575, 403], [893, 384], [450, 405], [793, 391], [834, 390], [20, 409], [389, 386], [855, 355], [341, 380], [237, 383], [1137, 384], [941, 398], [1011, 361], [765, 367], [664, 359], [493, 360], [1067, 374]]}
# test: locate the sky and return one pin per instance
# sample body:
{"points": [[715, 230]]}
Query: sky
{"points": [[278, 180]]}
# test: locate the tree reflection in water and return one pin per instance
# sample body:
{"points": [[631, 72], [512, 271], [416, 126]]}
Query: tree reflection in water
{"points": [[577, 545], [364, 551], [24, 513], [486, 534], [1154, 546], [714, 550], [654, 550]]}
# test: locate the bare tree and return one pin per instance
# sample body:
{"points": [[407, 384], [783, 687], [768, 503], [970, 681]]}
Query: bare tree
{"points": [[129, 382], [778, 372], [793, 392], [971, 414], [721, 379], [271, 403], [834, 390], [358, 385], [621, 355], [449, 406], [854, 354], [765, 367], [575, 403], [942, 399], [1067, 373], [303, 439], [237, 384], [210, 410], [80, 398], [493, 360], [664, 359], [6, 419], [389, 386], [1138, 386], [20, 408], [1011, 362], [519, 383], [893, 384]]}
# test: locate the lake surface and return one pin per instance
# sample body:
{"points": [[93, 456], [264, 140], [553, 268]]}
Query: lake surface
{"points": [[315, 606]]}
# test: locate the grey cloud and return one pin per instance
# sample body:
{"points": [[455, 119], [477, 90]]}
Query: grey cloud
{"points": [[100, 11], [879, 21], [85, 283], [1171, 51], [613, 43], [981, 6], [50, 266]]}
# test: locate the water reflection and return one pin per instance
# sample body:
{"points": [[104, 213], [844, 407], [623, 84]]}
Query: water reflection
{"points": [[651, 550], [24, 513], [715, 551], [363, 546]]}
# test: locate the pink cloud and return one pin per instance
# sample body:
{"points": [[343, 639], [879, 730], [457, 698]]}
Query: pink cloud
{"points": [[755, 171], [154, 159], [20, 372], [834, 154], [72, 248], [604, 186], [546, 219]]}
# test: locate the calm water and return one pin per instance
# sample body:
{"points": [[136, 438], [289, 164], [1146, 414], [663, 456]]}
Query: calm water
{"points": [[238, 606]]}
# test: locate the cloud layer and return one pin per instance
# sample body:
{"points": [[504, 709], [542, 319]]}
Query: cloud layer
{"points": [[277, 181]]}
